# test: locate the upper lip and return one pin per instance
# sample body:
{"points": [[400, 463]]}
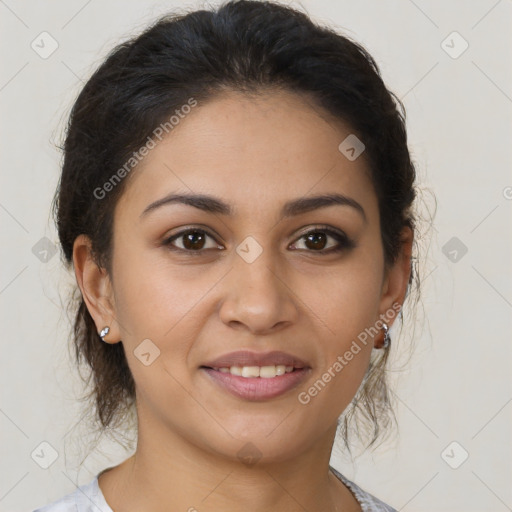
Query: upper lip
{"points": [[249, 358]]}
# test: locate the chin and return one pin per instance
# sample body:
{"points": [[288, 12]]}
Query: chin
{"points": [[252, 445]]}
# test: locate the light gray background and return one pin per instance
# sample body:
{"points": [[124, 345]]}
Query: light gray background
{"points": [[457, 386]]}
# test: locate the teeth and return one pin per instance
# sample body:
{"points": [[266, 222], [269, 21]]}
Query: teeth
{"points": [[250, 371], [235, 370], [265, 372]]}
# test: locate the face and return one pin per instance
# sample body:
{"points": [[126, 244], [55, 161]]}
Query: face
{"points": [[248, 270]]}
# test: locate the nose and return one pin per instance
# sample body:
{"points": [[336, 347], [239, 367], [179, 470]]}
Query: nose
{"points": [[258, 296]]}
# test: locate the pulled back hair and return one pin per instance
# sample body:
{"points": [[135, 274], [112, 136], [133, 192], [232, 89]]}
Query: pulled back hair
{"points": [[244, 46]]}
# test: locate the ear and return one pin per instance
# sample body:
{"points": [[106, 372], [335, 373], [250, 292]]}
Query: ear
{"points": [[396, 280], [96, 288]]}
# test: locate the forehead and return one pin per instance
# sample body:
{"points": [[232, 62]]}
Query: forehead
{"points": [[254, 151]]}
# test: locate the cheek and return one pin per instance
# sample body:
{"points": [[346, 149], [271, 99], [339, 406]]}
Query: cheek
{"points": [[349, 308], [162, 303], [151, 295], [155, 311], [346, 349], [347, 301]]}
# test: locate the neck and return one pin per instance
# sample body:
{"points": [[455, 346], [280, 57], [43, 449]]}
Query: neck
{"points": [[168, 473]]}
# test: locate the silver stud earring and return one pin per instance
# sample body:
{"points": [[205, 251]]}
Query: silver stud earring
{"points": [[387, 337], [104, 332]]}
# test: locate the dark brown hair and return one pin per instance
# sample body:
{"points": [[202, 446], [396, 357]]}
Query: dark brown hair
{"points": [[242, 46]]}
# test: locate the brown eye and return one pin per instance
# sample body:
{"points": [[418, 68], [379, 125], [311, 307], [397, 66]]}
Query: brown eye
{"points": [[196, 241], [317, 240], [192, 240]]}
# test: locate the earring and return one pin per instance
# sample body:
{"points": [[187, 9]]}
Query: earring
{"points": [[387, 337], [104, 332]]}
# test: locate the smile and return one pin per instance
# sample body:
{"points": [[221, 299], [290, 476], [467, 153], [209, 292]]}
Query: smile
{"points": [[256, 383], [265, 372]]}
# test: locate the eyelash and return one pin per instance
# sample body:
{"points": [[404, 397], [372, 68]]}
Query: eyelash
{"points": [[344, 242]]}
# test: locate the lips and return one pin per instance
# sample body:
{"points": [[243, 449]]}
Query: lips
{"points": [[249, 358], [256, 376]]}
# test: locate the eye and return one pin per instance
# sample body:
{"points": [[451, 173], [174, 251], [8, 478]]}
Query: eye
{"points": [[316, 240], [192, 240]]}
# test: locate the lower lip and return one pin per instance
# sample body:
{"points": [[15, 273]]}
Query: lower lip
{"points": [[257, 388]]}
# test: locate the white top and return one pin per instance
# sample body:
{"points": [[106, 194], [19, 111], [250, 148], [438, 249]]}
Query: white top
{"points": [[89, 498]]}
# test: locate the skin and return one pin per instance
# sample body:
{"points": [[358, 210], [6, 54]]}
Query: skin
{"points": [[254, 153]]}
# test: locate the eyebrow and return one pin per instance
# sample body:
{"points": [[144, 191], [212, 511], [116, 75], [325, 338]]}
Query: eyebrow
{"points": [[211, 204]]}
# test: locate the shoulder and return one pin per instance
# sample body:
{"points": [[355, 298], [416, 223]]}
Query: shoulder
{"points": [[368, 502], [86, 498]]}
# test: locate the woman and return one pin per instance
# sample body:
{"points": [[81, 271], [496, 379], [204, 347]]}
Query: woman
{"points": [[236, 202]]}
